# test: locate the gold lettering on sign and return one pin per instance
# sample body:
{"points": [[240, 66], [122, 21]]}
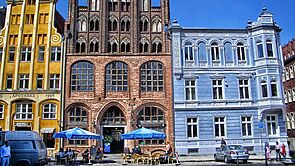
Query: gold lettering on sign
{"points": [[50, 95], [23, 95]]}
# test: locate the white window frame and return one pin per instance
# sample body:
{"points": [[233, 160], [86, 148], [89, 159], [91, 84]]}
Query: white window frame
{"points": [[50, 111], [291, 71], [285, 97], [287, 74], [191, 123], [274, 82], [247, 123], [190, 54], [1, 111], [190, 87], [55, 55], [27, 112], [263, 83], [218, 87], [242, 53], [292, 120], [24, 78], [215, 57], [271, 121], [26, 55], [54, 78], [244, 86], [288, 121], [219, 124], [272, 48], [257, 44]]}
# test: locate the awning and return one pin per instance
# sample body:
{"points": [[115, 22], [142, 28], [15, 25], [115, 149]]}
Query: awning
{"points": [[47, 130]]}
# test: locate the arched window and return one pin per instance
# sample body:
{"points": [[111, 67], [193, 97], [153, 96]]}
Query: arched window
{"points": [[77, 117], [263, 85], [82, 77], [188, 51], [292, 121], [269, 48], [144, 5], [125, 25], [113, 5], [94, 46], [152, 77], [288, 121], [291, 71], [94, 25], [143, 25], [125, 5], [152, 118], [1, 111], [143, 46], [112, 47], [157, 26], [241, 52], [83, 26], [49, 111], [157, 47], [80, 47], [215, 52], [274, 89], [112, 24], [94, 5], [125, 47], [113, 116], [116, 77]]}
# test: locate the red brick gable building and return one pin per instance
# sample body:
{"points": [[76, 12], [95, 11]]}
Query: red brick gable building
{"points": [[118, 71]]}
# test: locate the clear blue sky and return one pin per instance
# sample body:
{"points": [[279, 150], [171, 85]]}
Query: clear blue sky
{"points": [[224, 13]]}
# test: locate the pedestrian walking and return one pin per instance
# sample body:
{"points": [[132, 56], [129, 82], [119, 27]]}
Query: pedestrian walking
{"points": [[278, 151], [223, 143], [268, 151], [5, 154], [283, 151]]}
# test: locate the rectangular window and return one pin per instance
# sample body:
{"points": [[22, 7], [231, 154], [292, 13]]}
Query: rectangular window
{"points": [[192, 127], [42, 39], [246, 126], [1, 52], [11, 54], [13, 39], [41, 53], [24, 111], [31, 2], [271, 124], [39, 81], [29, 19], [43, 18], [188, 51], [49, 111], [55, 54], [26, 54], [264, 89], [9, 81], [260, 50], [24, 81], [219, 126], [215, 53], [1, 111], [241, 53], [269, 49], [54, 82], [244, 89], [190, 90], [274, 91], [217, 89]]}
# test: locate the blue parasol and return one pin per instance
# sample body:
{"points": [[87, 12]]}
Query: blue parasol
{"points": [[143, 133], [76, 133]]}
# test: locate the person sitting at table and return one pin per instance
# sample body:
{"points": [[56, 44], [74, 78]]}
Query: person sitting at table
{"points": [[61, 155], [85, 156], [135, 150], [138, 149], [99, 154], [126, 150], [70, 154]]}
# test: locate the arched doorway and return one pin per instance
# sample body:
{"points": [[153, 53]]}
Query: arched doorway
{"points": [[113, 124]]}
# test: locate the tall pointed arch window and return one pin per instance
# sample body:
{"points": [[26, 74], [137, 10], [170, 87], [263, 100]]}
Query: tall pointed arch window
{"points": [[157, 46], [112, 24], [143, 46], [125, 25], [157, 25], [116, 77], [125, 46], [143, 25]]}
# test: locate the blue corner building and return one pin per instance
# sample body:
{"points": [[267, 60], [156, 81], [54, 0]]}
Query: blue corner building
{"points": [[228, 84]]}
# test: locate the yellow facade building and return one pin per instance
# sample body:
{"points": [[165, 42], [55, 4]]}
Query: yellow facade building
{"points": [[31, 59]]}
